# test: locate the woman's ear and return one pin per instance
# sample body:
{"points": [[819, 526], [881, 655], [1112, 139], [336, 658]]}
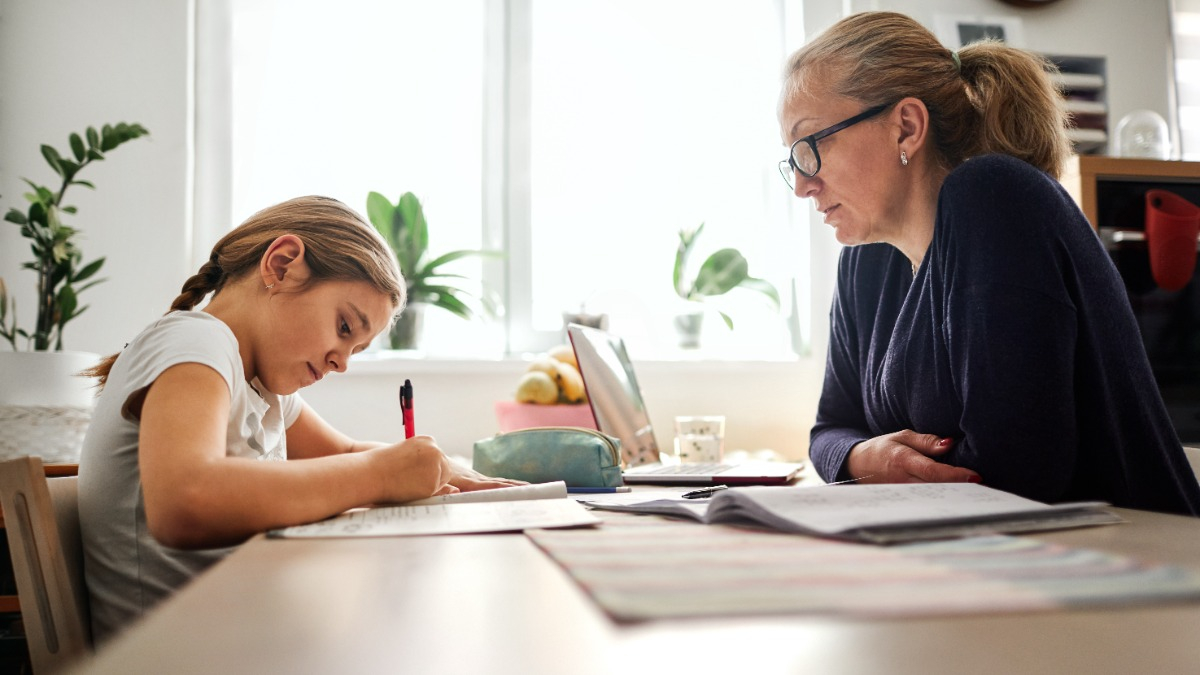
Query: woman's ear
{"points": [[283, 262], [912, 120]]}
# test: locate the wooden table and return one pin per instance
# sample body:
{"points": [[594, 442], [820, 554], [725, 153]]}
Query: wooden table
{"points": [[486, 604]]}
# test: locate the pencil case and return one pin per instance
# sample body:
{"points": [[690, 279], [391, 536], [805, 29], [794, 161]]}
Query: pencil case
{"points": [[577, 456]]}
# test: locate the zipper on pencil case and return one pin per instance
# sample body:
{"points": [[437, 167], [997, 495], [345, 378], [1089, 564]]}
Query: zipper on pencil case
{"points": [[608, 441]]}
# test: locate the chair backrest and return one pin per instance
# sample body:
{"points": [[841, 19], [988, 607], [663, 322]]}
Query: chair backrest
{"points": [[41, 516]]}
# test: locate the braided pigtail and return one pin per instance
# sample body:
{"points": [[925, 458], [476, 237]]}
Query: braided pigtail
{"points": [[208, 280]]}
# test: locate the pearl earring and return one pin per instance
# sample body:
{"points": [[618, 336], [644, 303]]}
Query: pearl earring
{"points": [[903, 158]]}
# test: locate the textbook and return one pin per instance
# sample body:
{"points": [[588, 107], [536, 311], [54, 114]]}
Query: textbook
{"points": [[879, 514]]}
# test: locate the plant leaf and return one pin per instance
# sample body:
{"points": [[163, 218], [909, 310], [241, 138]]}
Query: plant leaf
{"points": [[725, 317], [455, 255], [762, 286], [66, 301], [88, 270], [412, 217], [444, 297], [77, 147], [382, 213], [15, 216], [723, 271], [53, 158]]}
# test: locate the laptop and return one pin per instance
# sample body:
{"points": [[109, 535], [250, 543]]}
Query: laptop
{"points": [[619, 410]]}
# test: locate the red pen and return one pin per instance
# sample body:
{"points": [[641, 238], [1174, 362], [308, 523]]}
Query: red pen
{"points": [[406, 407]]}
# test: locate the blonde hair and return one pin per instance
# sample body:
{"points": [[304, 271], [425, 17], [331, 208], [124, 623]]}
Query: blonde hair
{"points": [[338, 246], [988, 97]]}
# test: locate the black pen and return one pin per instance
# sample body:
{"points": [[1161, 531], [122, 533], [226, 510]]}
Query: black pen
{"points": [[704, 492]]}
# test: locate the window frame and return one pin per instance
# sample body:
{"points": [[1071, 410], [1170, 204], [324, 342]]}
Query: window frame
{"points": [[505, 169]]}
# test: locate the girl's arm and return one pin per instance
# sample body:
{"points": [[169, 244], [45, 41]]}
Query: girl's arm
{"points": [[197, 497], [311, 436]]}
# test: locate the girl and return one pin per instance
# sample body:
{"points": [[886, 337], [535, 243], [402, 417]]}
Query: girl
{"points": [[185, 455]]}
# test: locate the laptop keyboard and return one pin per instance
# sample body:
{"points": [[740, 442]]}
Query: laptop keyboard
{"points": [[699, 468]]}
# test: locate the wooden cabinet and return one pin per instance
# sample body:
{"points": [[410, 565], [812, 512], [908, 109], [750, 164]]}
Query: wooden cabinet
{"points": [[1112, 193], [1109, 189]]}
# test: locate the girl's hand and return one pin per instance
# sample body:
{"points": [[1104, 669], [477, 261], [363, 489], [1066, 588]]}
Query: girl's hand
{"points": [[904, 457], [413, 469], [468, 480]]}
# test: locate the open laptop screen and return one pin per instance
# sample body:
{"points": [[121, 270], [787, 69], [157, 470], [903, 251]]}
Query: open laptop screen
{"points": [[613, 392]]}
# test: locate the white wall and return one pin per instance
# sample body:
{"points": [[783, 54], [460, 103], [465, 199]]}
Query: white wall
{"points": [[1133, 35], [69, 64], [66, 64]]}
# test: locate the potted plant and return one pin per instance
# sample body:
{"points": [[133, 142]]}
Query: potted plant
{"points": [[404, 228], [39, 392], [720, 273]]}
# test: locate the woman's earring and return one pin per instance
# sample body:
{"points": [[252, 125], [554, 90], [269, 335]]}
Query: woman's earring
{"points": [[273, 285], [903, 158]]}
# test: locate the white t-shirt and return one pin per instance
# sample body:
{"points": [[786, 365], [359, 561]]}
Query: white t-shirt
{"points": [[127, 570]]}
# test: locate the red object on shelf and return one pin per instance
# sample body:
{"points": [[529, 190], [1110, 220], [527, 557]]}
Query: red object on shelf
{"points": [[513, 415], [1172, 229]]}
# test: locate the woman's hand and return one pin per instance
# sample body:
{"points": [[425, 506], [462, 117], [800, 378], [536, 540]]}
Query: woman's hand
{"points": [[904, 457]]}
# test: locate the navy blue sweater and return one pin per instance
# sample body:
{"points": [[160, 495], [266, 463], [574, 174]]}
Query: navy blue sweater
{"points": [[1015, 338]]}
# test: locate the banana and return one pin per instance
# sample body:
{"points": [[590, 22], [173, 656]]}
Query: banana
{"points": [[570, 384], [565, 354]]}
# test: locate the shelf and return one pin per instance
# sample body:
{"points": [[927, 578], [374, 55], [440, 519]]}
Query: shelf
{"points": [[1082, 80], [1084, 174]]}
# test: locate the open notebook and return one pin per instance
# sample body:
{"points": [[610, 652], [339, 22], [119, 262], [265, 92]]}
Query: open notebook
{"points": [[617, 404]]}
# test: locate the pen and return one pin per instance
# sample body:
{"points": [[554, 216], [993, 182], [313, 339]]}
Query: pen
{"points": [[704, 492], [597, 490], [406, 408]]}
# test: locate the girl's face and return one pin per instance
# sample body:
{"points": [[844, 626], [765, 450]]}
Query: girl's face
{"points": [[309, 333], [856, 188]]}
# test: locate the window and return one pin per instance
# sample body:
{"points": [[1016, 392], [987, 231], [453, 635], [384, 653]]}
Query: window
{"points": [[1186, 28], [578, 137]]}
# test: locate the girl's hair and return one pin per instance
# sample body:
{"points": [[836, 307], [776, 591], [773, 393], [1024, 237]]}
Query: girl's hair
{"points": [[988, 97], [338, 246]]}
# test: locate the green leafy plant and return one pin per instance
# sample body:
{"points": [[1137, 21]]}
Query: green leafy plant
{"points": [[404, 228], [57, 260], [722, 272]]}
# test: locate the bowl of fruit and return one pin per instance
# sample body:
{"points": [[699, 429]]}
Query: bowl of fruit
{"points": [[550, 393]]}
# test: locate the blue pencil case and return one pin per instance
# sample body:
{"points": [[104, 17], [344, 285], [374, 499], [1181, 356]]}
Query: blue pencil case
{"points": [[580, 457]]}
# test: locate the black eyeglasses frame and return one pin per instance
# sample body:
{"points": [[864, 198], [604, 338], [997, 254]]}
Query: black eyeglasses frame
{"points": [[788, 166]]}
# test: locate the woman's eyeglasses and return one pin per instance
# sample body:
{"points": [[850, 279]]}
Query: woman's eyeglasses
{"points": [[803, 156]]}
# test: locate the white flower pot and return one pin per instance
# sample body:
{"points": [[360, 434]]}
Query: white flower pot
{"points": [[46, 378], [44, 406]]}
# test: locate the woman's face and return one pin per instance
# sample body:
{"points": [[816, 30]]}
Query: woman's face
{"points": [[857, 186], [313, 331]]}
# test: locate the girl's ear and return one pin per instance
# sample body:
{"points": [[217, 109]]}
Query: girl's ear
{"points": [[912, 119], [283, 263]]}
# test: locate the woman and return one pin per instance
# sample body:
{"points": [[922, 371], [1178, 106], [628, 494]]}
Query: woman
{"points": [[186, 451], [979, 331]]}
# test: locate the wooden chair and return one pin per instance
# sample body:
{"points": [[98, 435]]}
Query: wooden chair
{"points": [[41, 517]]}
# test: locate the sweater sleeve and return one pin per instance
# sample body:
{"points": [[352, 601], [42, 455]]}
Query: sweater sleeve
{"points": [[1010, 327], [841, 414]]}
